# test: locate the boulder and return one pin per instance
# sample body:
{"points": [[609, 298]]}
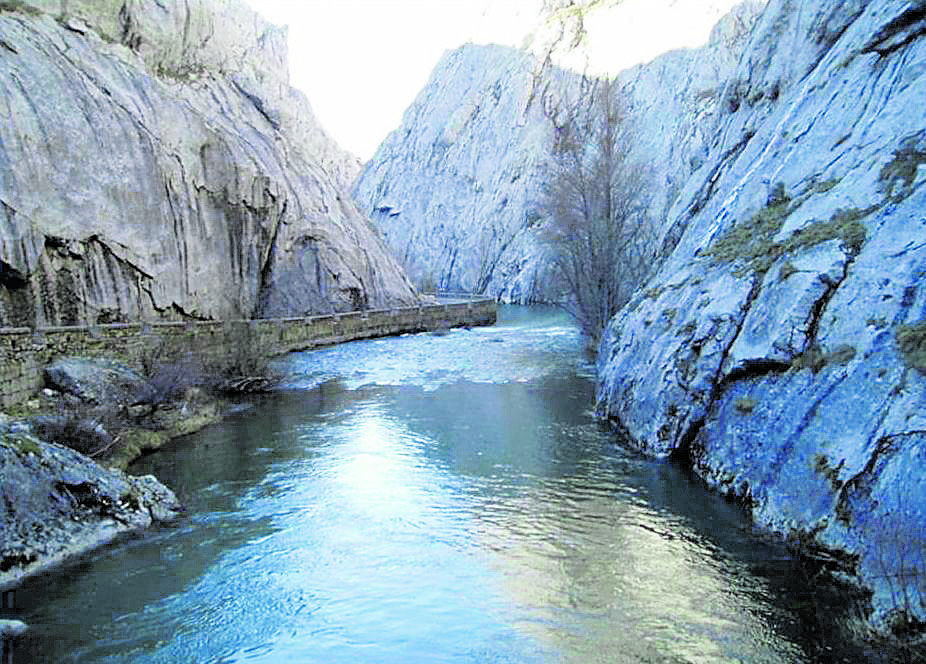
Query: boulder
{"points": [[95, 380]]}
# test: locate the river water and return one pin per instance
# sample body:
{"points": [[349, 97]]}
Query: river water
{"points": [[428, 499]]}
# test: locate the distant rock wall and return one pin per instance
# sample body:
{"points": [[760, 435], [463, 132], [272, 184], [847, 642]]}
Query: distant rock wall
{"points": [[458, 188], [155, 164], [455, 188], [780, 348]]}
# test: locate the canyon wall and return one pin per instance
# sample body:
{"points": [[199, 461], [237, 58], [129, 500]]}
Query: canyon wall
{"points": [[458, 189], [156, 164], [780, 348]]}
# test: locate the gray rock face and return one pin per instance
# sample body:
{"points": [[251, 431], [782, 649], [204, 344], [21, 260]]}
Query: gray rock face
{"points": [[455, 188], [95, 380], [155, 163], [57, 503], [458, 188], [779, 348]]}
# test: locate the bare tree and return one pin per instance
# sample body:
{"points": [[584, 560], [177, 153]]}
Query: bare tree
{"points": [[598, 234]]}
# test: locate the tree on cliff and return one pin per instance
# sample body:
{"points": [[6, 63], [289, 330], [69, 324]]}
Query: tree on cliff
{"points": [[598, 235]]}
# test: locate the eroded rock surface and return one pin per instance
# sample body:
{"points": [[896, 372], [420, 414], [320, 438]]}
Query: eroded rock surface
{"points": [[155, 163], [56, 503], [780, 347]]}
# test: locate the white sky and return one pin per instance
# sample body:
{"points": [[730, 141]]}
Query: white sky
{"points": [[361, 63]]}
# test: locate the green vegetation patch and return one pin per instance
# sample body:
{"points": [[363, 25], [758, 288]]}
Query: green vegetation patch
{"points": [[898, 175], [20, 7], [654, 293], [826, 185], [24, 445], [816, 360], [753, 246], [132, 442], [911, 340], [745, 405], [751, 241], [786, 271]]}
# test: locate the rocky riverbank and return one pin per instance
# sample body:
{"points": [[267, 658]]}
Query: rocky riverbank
{"points": [[63, 498], [58, 503], [779, 349]]}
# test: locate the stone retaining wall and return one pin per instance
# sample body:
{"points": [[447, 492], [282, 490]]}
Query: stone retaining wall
{"points": [[25, 352]]}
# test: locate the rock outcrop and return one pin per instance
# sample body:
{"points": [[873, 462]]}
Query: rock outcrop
{"points": [[155, 164], [780, 348], [458, 189], [57, 503], [454, 189]]}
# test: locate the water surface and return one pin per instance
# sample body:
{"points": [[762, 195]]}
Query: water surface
{"points": [[427, 499]]}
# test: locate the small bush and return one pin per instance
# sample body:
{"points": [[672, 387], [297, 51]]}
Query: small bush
{"points": [[169, 382], [80, 426], [745, 405], [911, 339], [246, 368]]}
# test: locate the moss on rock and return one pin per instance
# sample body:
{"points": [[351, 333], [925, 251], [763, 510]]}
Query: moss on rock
{"points": [[898, 176], [745, 405], [911, 340], [22, 443], [752, 244]]}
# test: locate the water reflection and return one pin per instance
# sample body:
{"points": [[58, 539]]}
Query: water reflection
{"points": [[397, 513]]}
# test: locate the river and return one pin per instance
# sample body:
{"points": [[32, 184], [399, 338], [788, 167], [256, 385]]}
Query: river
{"points": [[428, 498]]}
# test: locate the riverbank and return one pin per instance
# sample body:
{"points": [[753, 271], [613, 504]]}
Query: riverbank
{"points": [[63, 449], [25, 352], [460, 481], [59, 503]]}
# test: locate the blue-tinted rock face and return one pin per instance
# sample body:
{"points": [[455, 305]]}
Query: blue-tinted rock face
{"points": [[155, 163], [776, 349]]}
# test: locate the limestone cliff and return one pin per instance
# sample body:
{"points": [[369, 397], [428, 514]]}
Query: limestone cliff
{"points": [[458, 188], [779, 349], [453, 188], [155, 163]]}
